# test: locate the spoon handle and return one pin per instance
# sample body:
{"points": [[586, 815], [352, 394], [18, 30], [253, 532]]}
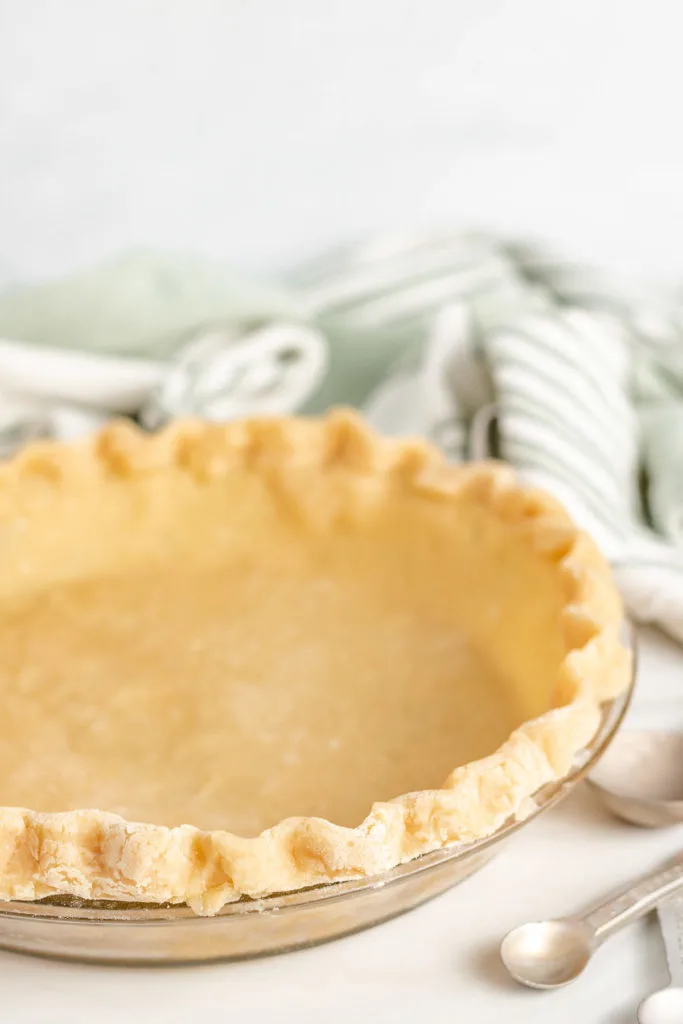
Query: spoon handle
{"points": [[671, 922], [635, 901]]}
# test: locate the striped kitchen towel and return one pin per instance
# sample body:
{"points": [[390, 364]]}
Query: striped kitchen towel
{"points": [[584, 374]]}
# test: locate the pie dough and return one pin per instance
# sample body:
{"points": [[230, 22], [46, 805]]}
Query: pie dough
{"points": [[225, 651]]}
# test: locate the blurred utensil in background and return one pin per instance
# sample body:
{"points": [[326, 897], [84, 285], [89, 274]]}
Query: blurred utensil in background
{"points": [[640, 777]]}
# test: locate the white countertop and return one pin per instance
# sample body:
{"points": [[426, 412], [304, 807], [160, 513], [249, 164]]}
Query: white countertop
{"points": [[437, 963]]}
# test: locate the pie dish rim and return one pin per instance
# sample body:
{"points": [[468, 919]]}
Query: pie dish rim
{"points": [[92, 854]]}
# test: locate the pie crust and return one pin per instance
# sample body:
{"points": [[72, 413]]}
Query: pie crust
{"points": [[355, 575]]}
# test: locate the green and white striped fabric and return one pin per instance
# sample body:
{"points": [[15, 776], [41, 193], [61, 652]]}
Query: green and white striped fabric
{"points": [[585, 375]]}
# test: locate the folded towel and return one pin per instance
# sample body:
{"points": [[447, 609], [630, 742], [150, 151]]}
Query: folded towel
{"points": [[662, 441], [586, 376], [449, 336]]}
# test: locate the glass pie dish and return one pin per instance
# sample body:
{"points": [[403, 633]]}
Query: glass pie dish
{"points": [[138, 933]]}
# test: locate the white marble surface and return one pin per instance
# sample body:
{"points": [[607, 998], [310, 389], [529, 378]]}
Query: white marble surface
{"points": [[438, 963], [254, 131]]}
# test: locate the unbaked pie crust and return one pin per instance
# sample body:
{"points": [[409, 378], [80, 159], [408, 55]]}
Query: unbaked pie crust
{"points": [[225, 651]]}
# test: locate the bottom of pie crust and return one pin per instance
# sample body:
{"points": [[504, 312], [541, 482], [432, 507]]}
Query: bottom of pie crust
{"points": [[235, 699]]}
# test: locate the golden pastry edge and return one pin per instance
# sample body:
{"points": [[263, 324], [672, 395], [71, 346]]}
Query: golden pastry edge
{"points": [[93, 854]]}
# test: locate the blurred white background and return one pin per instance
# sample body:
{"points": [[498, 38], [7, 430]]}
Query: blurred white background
{"points": [[257, 130]]}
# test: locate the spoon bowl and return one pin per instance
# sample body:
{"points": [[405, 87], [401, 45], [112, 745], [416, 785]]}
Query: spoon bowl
{"points": [[547, 954], [640, 777], [664, 1007]]}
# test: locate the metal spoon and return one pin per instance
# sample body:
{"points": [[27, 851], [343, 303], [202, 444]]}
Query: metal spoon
{"points": [[640, 777], [666, 1006], [548, 954]]}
